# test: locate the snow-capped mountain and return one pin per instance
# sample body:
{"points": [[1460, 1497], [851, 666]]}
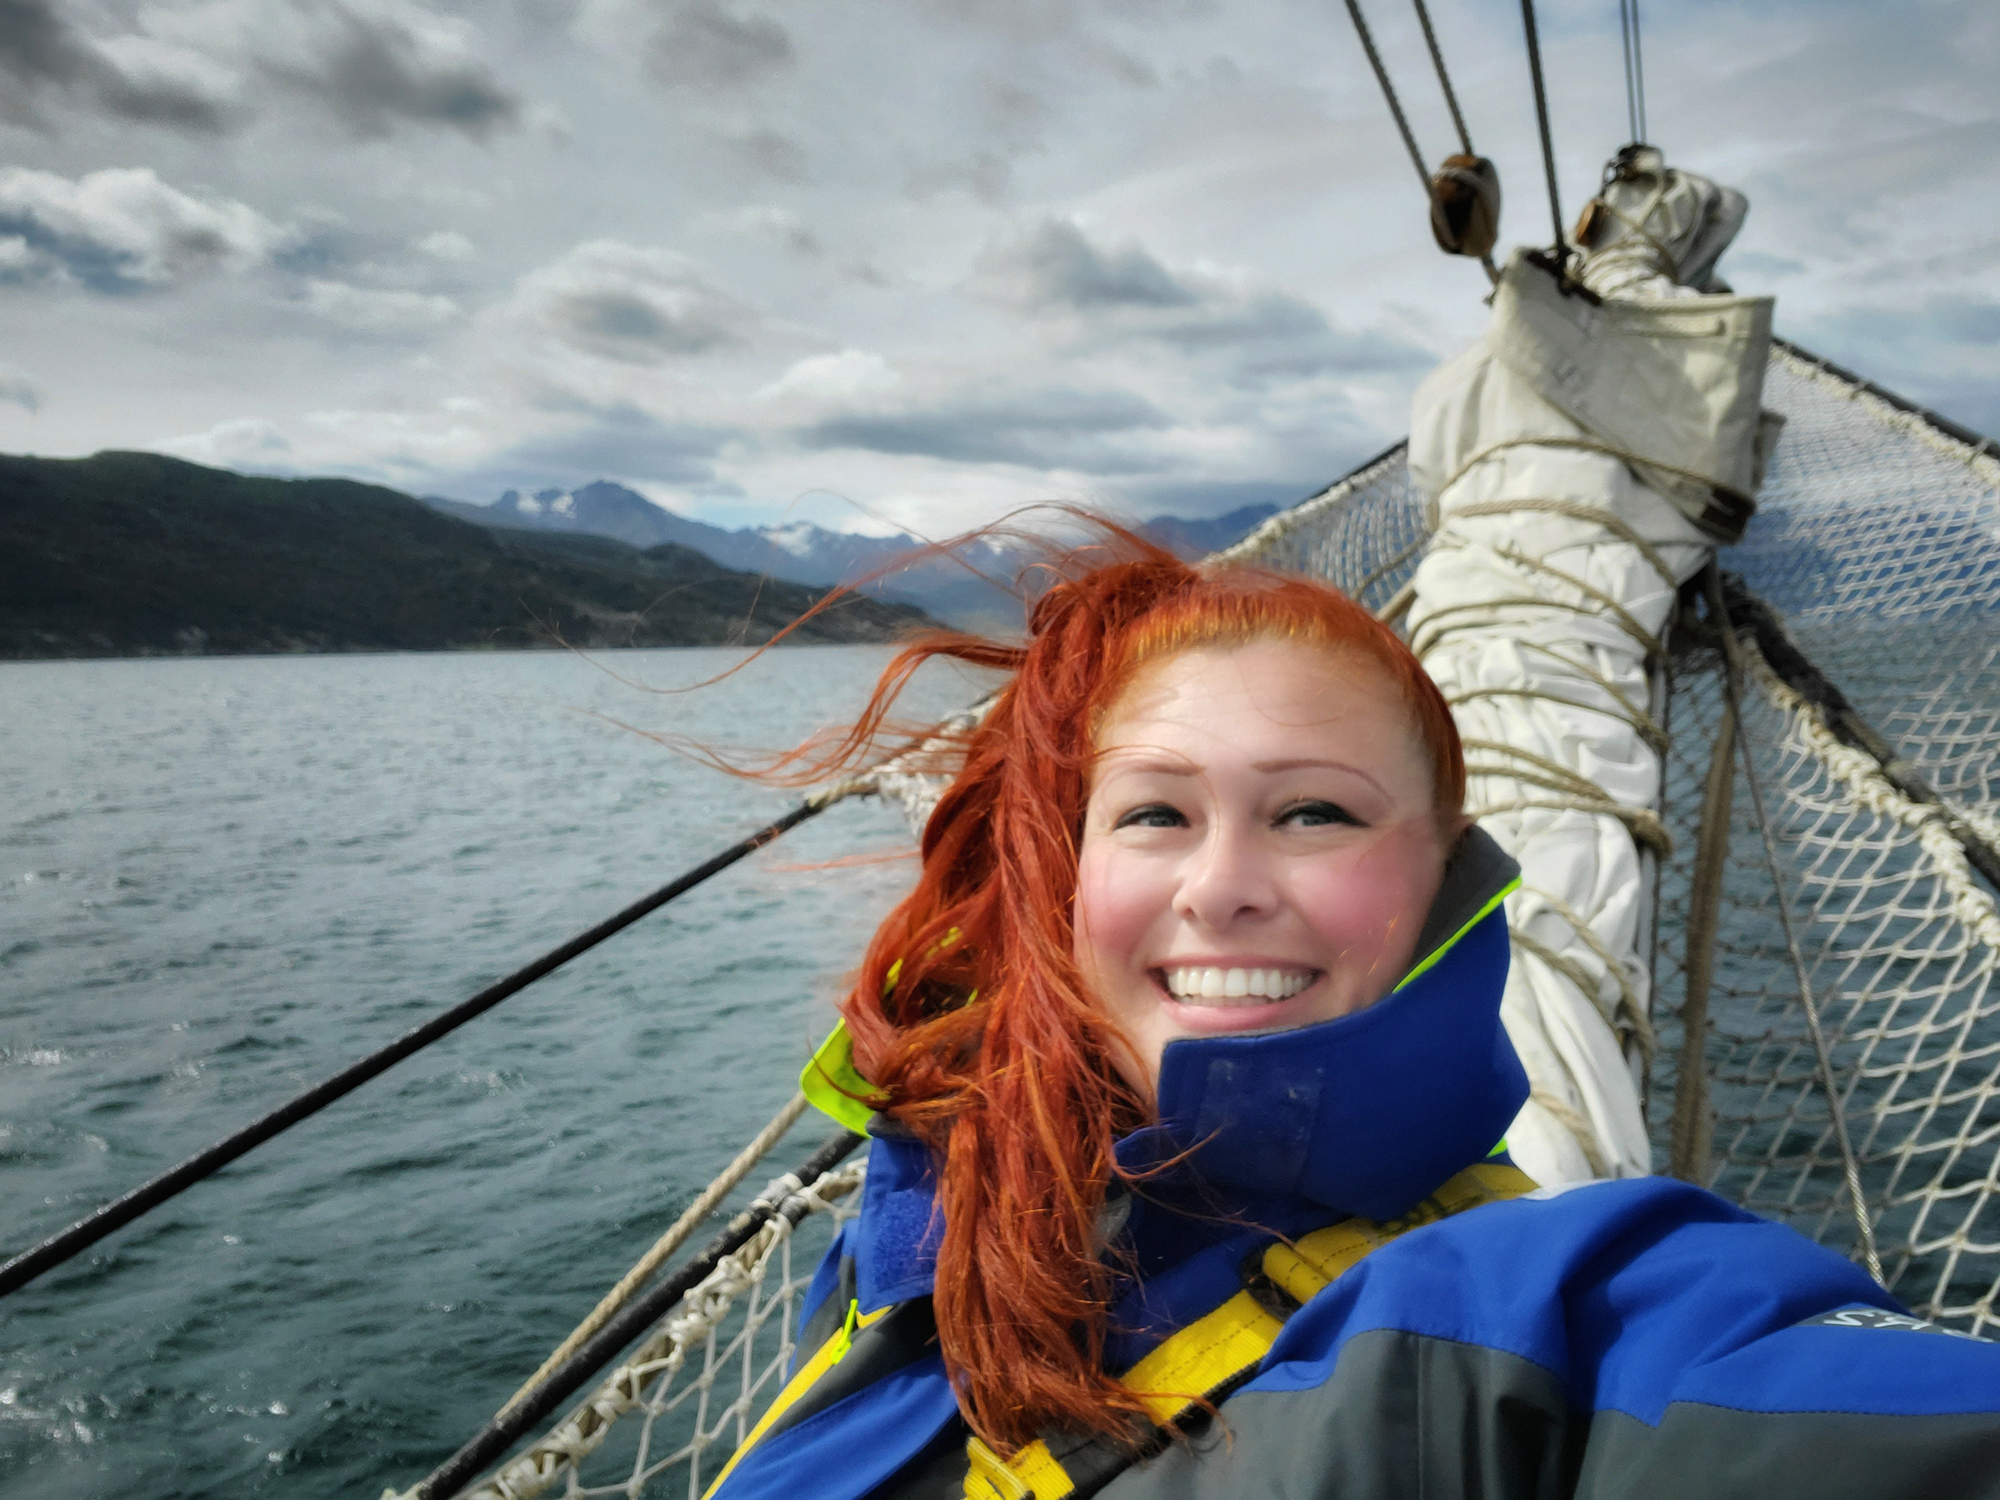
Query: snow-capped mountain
{"points": [[799, 551]]}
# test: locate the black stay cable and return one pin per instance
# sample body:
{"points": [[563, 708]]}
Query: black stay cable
{"points": [[1542, 119], [1389, 93], [87, 1231], [1444, 78]]}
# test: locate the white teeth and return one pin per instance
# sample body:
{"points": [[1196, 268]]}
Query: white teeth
{"points": [[1237, 986]]}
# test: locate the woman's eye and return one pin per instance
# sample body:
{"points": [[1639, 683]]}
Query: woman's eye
{"points": [[1317, 814], [1152, 815]]}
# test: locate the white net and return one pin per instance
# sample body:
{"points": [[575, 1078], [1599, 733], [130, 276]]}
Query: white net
{"points": [[1878, 539], [665, 1421]]}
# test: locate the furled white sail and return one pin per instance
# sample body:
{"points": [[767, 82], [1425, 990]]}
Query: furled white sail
{"points": [[1581, 460]]}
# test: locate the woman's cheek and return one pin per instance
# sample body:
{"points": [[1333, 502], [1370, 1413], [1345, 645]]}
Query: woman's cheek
{"points": [[1372, 906], [1118, 902]]}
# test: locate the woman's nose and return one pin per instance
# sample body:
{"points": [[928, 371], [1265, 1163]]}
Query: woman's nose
{"points": [[1228, 879]]}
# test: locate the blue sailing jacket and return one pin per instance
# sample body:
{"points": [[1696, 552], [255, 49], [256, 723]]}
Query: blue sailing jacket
{"points": [[1613, 1339]]}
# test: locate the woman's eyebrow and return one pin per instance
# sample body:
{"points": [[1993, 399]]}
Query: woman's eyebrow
{"points": [[1267, 766], [1152, 762]]}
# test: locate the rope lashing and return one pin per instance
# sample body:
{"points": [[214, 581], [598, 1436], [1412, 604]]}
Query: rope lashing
{"points": [[705, 1203], [80, 1236]]}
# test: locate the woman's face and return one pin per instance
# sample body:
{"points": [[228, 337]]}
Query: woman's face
{"points": [[1259, 849]]}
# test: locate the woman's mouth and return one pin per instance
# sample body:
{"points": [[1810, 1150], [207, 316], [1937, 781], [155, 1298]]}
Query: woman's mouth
{"points": [[1226, 987]]}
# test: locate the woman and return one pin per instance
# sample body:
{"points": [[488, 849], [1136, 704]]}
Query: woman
{"points": [[1186, 1082]]}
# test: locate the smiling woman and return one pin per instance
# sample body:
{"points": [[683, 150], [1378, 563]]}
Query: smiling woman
{"points": [[1193, 1009]]}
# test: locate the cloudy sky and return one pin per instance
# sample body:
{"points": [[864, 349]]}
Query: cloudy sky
{"points": [[900, 261]]}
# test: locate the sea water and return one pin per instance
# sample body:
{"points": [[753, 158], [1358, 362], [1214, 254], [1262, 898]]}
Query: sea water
{"points": [[224, 879]]}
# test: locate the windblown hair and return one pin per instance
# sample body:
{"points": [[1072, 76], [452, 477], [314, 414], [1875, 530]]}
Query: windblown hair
{"points": [[1015, 1092]]}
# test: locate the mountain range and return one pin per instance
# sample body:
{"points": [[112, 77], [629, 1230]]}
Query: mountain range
{"points": [[801, 552], [134, 554]]}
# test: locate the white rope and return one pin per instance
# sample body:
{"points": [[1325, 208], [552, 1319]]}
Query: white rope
{"points": [[1862, 776], [705, 1203]]}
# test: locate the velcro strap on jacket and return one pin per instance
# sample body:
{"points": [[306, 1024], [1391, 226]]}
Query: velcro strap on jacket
{"points": [[1196, 1368]]}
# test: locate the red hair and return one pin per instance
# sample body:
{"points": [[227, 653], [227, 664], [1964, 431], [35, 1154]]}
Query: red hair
{"points": [[1016, 1093]]}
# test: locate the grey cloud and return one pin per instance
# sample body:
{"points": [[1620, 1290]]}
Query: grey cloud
{"points": [[1056, 266], [1127, 293], [18, 390], [772, 153], [37, 45], [703, 46], [373, 73], [629, 325], [1050, 428], [42, 51], [632, 304], [618, 441], [987, 175]]}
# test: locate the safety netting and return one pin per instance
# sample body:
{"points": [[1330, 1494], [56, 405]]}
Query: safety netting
{"points": [[666, 1418], [1877, 540], [1861, 916]]}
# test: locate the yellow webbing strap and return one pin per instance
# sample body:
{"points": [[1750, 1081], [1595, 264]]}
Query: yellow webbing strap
{"points": [[1213, 1351], [824, 1358]]}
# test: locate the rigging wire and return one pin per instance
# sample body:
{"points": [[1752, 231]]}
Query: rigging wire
{"points": [[1635, 69], [93, 1227], [1444, 78], [1389, 93], [1732, 652], [1561, 249]]}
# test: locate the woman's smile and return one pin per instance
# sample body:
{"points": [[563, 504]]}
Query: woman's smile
{"points": [[1259, 848]]}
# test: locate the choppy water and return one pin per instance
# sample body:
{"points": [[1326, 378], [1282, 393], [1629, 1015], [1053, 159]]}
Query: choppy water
{"points": [[221, 880]]}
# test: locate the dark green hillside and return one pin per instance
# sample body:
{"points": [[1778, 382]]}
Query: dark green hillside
{"points": [[132, 554]]}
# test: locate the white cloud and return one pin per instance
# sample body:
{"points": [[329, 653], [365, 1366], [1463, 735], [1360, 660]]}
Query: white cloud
{"points": [[447, 245], [122, 228], [834, 380], [374, 310], [242, 442]]}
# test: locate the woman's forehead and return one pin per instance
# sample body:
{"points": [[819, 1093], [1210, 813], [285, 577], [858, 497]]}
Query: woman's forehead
{"points": [[1268, 698], [1292, 680]]}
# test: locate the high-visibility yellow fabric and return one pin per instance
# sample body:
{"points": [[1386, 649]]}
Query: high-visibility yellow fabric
{"points": [[834, 1087], [1212, 1351], [1031, 1474]]}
